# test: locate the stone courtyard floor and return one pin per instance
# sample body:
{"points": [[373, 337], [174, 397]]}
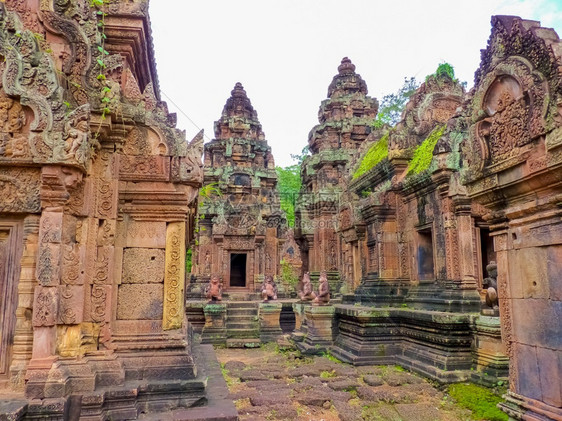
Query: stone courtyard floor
{"points": [[268, 384]]}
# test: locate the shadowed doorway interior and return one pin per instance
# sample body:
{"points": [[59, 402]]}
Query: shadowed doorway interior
{"points": [[238, 270]]}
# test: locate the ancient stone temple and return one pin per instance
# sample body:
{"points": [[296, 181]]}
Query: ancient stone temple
{"points": [[513, 166], [418, 244], [240, 223], [98, 190], [462, 182], [345, 120]]}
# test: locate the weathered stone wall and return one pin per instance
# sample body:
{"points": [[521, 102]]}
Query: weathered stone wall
{"points": [[513, 167], [98, 194]]}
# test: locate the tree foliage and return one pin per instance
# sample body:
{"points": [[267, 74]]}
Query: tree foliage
{"points": [[392, 105], [289, 183], [299, 157], [445, 69]]}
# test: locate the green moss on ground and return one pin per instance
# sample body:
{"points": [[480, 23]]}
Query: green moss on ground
{"points": [[423, 155], [480, 400], [376, 153]]}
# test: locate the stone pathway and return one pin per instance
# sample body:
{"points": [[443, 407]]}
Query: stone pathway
{"points": [[267, 384]]}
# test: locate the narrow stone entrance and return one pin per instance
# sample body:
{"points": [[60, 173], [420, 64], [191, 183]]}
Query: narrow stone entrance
{"points": [[10, 251], [238, 270]]}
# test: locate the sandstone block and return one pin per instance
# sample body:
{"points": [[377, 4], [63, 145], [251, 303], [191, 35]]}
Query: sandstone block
{"points": [[142, 302], [143, 266]]}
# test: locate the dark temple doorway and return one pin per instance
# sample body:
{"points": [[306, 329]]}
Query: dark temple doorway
{"points": [[238, 269]]}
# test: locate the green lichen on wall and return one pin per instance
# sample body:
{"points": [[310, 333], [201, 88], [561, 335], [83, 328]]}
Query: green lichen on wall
{"points": [[376, 153], [423, 154]]}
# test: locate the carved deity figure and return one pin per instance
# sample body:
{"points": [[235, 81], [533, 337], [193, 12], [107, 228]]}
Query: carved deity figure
{"points": [[306, 293], [269, 289], [323, 296], [76, 135], [490, 284], [207, 262], [213, 291]]}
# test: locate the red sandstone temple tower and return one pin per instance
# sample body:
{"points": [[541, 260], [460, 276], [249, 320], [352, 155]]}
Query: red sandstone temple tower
{"points": [[240, 221], [345, 122]]}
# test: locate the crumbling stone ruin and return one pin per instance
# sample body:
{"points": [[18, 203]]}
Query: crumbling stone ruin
{"points": [[437, 241]]}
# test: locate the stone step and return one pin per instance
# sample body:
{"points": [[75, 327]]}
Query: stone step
{"points": [[243, 333], [242, 309], [243, 312], [242, 304], [13, 410], [243, 343], [242, 317], [247, 326]]}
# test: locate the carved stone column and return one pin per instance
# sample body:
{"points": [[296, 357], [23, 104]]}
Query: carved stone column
{"points": [[465, 233], [23, 337]]}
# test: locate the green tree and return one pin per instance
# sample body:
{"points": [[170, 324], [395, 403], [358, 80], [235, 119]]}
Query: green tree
{"points": [[289, 186], [392, 105], [299, 157]]}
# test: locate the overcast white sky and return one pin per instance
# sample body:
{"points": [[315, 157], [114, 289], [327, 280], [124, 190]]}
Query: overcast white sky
{"points": [[285, 52]]}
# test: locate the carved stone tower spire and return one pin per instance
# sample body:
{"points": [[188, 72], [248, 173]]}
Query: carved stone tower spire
{"points": [[345, 119], [240, 219]]}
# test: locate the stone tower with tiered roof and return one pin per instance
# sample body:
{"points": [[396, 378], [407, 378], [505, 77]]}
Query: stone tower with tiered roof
{"points": [[345, 119], [240, 220]]}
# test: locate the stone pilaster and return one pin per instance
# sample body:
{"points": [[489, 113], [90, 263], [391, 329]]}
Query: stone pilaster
{"points": [[174, 276]]}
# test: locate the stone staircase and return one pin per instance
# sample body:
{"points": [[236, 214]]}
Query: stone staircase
{"points": [[242, 324]]}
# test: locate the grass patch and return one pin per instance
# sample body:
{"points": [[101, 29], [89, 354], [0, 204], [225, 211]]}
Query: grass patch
{"points": [[242, 403], [230, 381], [480, 400], [354, 401], [370, 413], [331, 357], [376, 153], [423, 155], [327, 374]]}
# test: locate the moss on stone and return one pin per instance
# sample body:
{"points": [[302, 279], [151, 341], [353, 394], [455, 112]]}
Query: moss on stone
{"points": [[423, 154], [480, 400], [376, 153]]}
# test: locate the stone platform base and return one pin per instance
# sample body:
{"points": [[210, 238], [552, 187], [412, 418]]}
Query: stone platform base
{"points": [[202, 398], [433, 343]]}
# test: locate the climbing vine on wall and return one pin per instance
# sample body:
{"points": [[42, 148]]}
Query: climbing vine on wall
{"points": [[105, 97]]}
